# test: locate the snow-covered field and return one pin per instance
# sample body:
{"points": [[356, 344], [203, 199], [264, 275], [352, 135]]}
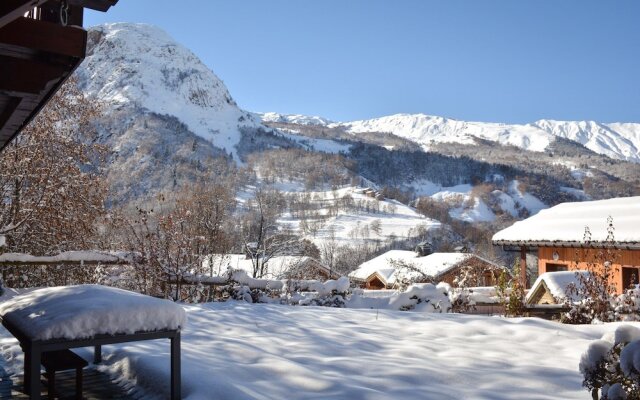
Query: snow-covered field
{"points": [[394, 218], [237, 350]]}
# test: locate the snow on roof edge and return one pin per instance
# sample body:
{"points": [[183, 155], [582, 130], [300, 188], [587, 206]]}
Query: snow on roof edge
{"points": [[565, 223]]}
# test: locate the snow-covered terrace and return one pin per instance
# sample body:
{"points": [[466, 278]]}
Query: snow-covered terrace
{"points": [[62, 318], [564, 225]]}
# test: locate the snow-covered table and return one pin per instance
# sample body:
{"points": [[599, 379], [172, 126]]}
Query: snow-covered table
{"points": [[68, 317]]}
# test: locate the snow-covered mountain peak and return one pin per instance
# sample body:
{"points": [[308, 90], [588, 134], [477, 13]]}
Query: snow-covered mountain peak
{"points": [[141, 65], [294, 119]]}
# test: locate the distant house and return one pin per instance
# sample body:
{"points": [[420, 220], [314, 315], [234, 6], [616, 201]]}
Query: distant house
{"points": [[555, 287], [281, 267], [386, 270], [423, 249], [557, 236]]}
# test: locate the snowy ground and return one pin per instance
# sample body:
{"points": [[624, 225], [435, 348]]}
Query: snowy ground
{"points": [[242, 351]]}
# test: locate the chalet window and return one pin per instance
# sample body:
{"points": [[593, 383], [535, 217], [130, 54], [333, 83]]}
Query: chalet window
{"points": [[629, 277], [556, 267]]}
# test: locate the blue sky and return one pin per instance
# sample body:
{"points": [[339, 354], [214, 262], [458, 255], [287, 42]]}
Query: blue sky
{"points": [[482, 60]]}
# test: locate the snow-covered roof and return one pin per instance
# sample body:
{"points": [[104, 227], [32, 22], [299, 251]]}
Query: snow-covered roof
{"points": [[566, 222], [276, 267], [432, 265], [73, 312], [558, 283]]}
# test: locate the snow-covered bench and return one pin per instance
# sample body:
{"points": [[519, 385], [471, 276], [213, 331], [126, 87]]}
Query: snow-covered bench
{"points": [[68, 317]]}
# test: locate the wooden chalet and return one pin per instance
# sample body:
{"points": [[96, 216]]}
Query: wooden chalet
{"points": [[41, 43], [384, 271], [581, 236]]}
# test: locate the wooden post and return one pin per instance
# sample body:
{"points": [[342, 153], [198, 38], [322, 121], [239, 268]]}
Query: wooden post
{"points": [[97, 354], [523, 267], [78, 383]]}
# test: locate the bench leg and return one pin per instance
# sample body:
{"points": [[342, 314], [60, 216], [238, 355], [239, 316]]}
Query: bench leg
{"points": [[27, 370], [79, 383], [34, 373], [175, 368], [51, 384]]}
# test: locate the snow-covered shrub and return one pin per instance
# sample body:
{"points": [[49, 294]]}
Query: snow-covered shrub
{"points": [[627, 305], [408, 273], [422, 297], [462, 300], [591, 299], [611, 365], [609, 308], [425, 297], [332, 293], [240, 286], [596, 292], [511, 293]]}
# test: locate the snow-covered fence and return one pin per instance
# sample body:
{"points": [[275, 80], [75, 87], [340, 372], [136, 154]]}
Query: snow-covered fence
{"points": [[69, 258], [66, 268], [237, 284]]}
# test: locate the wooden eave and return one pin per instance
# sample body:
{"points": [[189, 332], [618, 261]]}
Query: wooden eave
{"points": [[511, 245], [37, 56], [98, 5]]}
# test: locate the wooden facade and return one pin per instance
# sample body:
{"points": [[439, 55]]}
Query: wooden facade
{"points": [[375, 282], [541, 295], [624, 263]]}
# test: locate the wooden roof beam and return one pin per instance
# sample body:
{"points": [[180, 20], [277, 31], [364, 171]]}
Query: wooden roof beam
{"points": [[12, 9], [45, 36], [28, 77], [98, 5]]}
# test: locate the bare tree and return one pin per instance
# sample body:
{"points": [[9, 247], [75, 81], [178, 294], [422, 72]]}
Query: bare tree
{"points": [[51, 185], [261, 235]]}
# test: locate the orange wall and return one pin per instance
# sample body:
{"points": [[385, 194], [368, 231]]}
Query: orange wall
{"points": [[582, 259]]}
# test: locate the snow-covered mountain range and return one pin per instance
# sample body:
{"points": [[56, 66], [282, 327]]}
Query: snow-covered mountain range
{"points": [[139, 65], [616, 140]]}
